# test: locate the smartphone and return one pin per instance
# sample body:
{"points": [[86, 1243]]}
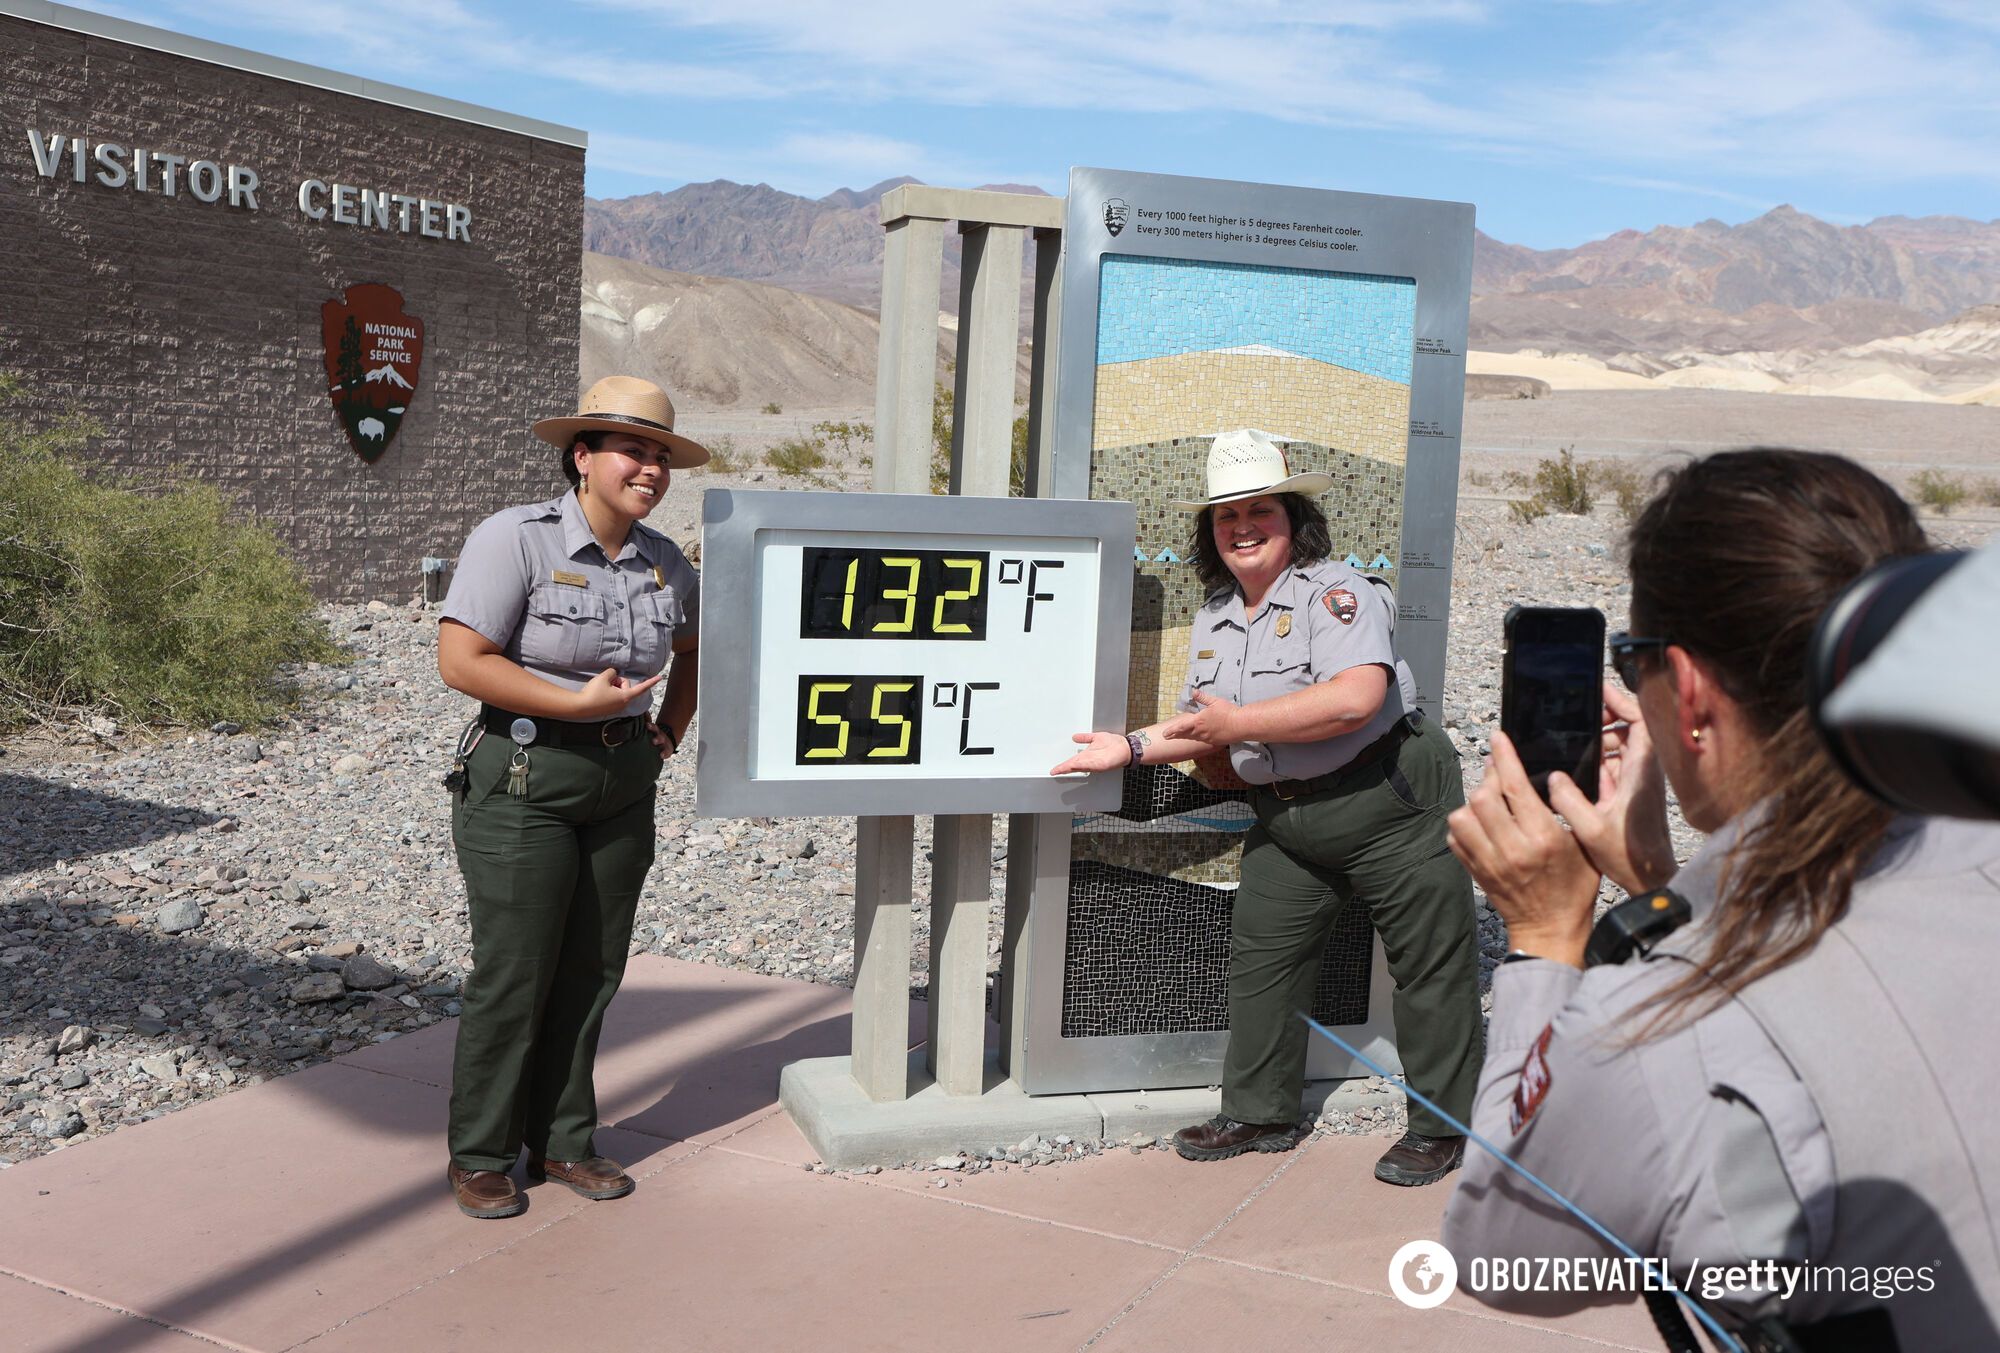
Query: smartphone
{"points": [[1552, 692]]}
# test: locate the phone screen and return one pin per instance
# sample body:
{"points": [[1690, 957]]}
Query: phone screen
{"points": [[1552, 692]]}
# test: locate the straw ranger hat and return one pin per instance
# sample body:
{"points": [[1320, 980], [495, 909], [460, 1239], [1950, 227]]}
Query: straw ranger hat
{"points": [[1246, 463], [626, 404]]}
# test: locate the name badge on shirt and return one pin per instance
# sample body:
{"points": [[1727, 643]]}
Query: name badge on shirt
{"points": [[1284, 625], [569, 579], [1205, 653], [659, 578]]}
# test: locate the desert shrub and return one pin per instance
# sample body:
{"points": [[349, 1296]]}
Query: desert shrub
{"points": [[773, 407], [1988, 491], [843, 435], [1479, 479], [1559, 485], [723, 457], [170, 607], [1628, 487], [1938, 491], [1562, 485], [802, 456]]}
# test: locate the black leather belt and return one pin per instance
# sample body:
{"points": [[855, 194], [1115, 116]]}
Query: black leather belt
{"points": [[561, 733], [1382, 748]]}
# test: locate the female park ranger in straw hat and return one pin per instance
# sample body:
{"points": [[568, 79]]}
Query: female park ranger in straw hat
{"points": [[560, 618], [1293, 672]]}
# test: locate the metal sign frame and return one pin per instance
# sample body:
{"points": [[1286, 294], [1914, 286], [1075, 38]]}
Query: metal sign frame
{"points": [[729, 686]]}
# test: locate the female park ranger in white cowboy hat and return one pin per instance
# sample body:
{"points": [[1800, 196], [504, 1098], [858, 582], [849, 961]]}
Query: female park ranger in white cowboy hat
{"points": [[560, 619], [1294, 673]]}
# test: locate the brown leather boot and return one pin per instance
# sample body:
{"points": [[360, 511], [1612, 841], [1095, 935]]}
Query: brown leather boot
{"points": [[593, 1178], [1417, 1159], [1222, 1137], [484, 1193]]}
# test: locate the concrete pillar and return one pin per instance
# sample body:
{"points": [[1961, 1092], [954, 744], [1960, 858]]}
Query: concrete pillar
{"points": [[905, 375], [906, 361], [1037, 896], [881, 1049], [1042, 365], [961, 889], [989, 331]]}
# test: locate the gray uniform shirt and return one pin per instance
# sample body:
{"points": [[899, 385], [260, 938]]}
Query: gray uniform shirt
{"points": [[1704, 1144], [1316, 622], [535, 581]]}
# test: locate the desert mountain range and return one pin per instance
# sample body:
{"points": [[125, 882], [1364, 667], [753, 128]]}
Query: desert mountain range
{"points": [[1900, 308]]}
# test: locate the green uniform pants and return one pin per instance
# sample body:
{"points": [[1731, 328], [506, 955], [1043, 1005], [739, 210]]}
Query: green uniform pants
{"points": [[552, 881], [1377, 833]]}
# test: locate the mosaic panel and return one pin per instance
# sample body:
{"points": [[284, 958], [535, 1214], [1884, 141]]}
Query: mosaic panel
{"points": [[1150, 955], [1187, 349]]}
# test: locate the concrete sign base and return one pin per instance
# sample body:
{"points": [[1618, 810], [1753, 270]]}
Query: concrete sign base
{"points": [[849, 1130]]}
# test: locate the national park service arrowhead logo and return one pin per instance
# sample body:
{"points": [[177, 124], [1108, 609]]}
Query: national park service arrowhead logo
{"points": [[374, 354], [1114, 216]]}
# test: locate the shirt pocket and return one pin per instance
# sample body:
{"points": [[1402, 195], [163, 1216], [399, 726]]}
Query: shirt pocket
{"points": [[1203, 674], [565, 628], [1282, 670], [655, 617]]}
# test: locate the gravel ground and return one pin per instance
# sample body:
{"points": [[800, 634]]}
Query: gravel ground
{"points": [[180, 915]]}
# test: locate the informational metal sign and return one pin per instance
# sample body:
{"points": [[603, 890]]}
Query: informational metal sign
{"points": [[1336, 324], [870, 654]]}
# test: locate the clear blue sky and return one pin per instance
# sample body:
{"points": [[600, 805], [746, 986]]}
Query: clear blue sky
{"points": [[1563, 120]]}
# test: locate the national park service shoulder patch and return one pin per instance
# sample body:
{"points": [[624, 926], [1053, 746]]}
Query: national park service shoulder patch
{"points": [[1533, 1087]]}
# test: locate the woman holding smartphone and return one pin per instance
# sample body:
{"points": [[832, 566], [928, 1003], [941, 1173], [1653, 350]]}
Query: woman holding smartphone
{"points": [[1795, 1082], [1293, 674]]}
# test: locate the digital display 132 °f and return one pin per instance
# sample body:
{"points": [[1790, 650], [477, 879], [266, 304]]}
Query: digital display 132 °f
{"points": [[850, 592]]}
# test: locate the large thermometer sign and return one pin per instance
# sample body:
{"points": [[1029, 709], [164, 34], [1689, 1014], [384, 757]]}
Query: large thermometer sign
{"points": [[888, 653]]}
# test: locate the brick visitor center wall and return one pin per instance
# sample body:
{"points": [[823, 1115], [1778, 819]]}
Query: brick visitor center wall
{"points": [[189, 331]]}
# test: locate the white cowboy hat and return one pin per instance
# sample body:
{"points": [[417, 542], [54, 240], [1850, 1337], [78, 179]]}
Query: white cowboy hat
{"points": [[626, 404], [1246, 463]]}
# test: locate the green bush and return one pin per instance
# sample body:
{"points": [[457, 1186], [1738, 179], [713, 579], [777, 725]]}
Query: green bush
{"points": [[845, 435], [1627, 485], [1526, 510], [1937, 491], [1563, 485], [722, 455], [168, 607], [772, 407], [798, 456]]}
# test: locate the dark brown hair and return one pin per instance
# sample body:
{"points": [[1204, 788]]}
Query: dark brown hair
{"points": [[589, 441], [1312, 540], [1734, 560]]}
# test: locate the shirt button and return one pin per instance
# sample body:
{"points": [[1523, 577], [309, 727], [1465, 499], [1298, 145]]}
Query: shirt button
{"points": [[619, 604], [572, 610]]}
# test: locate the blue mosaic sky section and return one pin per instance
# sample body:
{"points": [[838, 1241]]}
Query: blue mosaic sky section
{"points": [[1162, 307]]}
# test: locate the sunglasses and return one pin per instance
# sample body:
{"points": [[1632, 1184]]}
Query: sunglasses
{"points": [[1626, 650]]}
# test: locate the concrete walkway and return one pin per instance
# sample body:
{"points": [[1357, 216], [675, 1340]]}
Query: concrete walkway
{"points": [[312, 1212]]}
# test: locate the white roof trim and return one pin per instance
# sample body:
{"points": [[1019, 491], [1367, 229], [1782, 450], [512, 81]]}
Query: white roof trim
{"points": [[278, 68]]}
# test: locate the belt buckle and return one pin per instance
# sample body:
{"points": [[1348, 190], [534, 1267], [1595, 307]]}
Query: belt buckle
{"points": [[604, 730]]}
